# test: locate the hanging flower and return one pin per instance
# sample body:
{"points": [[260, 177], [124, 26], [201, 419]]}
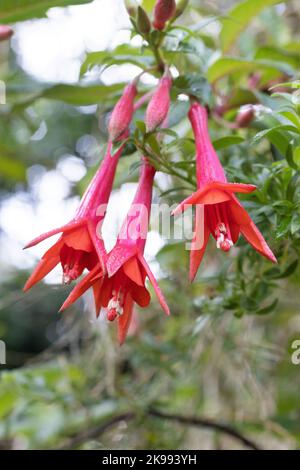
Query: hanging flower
{"points": [[164, 10], [80, 245], [224, 216], [159, 105], [124, 283]]}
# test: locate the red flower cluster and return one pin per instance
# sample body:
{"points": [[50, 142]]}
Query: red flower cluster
{"points": [[118, 278]]}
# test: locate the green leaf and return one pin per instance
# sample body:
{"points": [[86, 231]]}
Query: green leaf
{"points": [[148, 5], [278, 55], [290, 156], [123, 54], [295, 224], [141, 126], [268, 309], [266, 132], [287, 272], [12, 11], [227, 141], [229, 65], [239, 18], [152, 141], [80, 95], [293, 186], [193, 84]]}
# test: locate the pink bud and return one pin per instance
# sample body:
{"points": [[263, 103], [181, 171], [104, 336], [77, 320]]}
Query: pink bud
{"points": [[122, 113], [163, 12], [245, 116], [159, 105], [5, 32]]}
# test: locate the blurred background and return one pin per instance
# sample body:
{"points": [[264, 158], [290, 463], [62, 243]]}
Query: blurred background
{"points": [[225, 352]]}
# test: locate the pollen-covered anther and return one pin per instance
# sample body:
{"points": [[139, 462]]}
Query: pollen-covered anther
{"points": [[70, 274], [114, 308], [224, 243]]}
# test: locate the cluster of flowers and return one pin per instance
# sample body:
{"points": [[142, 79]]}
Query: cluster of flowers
{"points": [[118, 278]]}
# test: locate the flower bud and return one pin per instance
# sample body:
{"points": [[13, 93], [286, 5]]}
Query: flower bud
{"points": [[131, 7], [181, 6], [158, 107], [245, 116], [163, 12], [5, 32], [122, 113], [143, 22]]}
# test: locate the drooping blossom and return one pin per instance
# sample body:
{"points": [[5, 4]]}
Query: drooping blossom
{"points": [[80, 245], [159, 105], [127, 269], [164, 10], [223, 216], [5, 32]]}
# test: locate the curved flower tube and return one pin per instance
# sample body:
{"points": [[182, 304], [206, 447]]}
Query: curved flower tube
{"points": [[80, 245], [224, 216], [127, 269]]}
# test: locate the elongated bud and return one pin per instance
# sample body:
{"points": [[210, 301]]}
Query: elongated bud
{"points": [[159, 105], [164, 10], [143, 22], [122, 113], [245, 116], [181, 6], [5, 32], [131, 7]]}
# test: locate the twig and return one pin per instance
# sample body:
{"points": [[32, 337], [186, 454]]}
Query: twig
{"points": [[97, 431], [206, 423]]}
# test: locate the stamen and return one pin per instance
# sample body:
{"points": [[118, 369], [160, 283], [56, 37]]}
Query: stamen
{"points": [[115, 305], [222, 231], [72, 269]]}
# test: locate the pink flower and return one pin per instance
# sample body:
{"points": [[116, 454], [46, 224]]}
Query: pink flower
{"points": [[224, 216], [80, 245], [5, 32], [122, 113], [124, 283], [164, 10], [159, 105]]}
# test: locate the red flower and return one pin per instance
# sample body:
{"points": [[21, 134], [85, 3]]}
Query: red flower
{"points": [[124, 283], [224, 216], [159, 105], [80, 245], [163, 12]]}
